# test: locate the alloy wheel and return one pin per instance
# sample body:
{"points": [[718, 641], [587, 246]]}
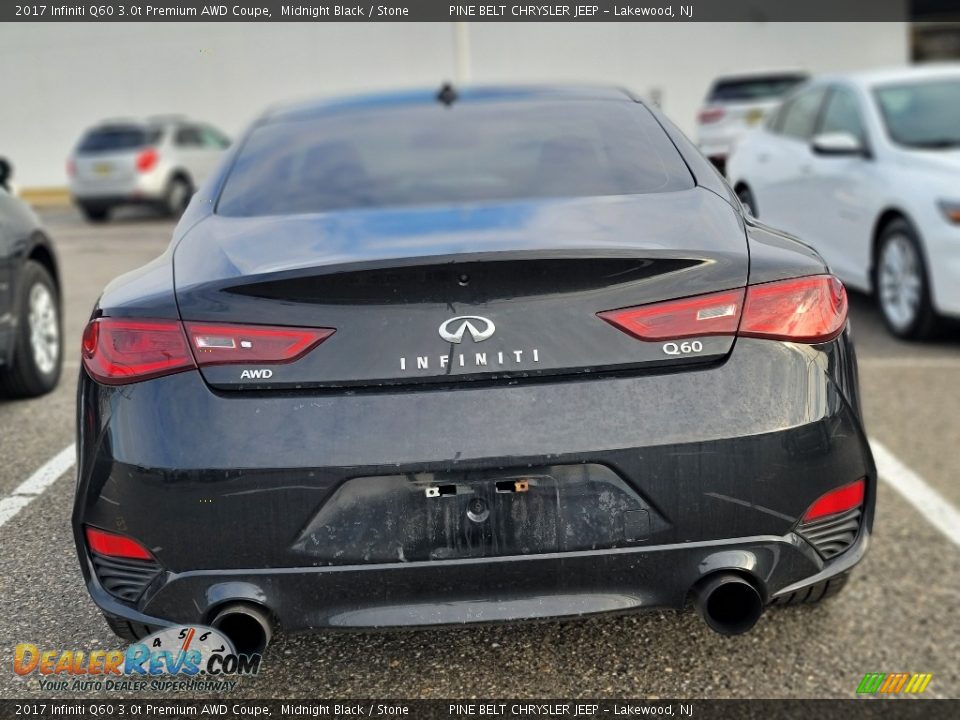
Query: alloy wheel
{"points": [[901, 281], [44, 328]]}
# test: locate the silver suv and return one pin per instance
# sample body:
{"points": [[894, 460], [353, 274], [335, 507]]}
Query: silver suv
{"points": [[158, 162]]}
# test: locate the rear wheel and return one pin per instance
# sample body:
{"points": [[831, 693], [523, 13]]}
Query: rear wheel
{"points": [[747, 200], [177, 196], [37, 352], [816, 593], [902, 284], [95, 213]]}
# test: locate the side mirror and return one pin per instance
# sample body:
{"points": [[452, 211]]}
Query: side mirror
{"points": [[838, 144], [6, 171]]}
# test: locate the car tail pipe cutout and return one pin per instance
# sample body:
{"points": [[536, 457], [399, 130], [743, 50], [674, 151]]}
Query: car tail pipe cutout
{"points": [[728, 602], [248, 626]]}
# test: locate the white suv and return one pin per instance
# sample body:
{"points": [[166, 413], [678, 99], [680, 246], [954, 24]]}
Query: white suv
{"points": [[158, 162], [865, 168]]}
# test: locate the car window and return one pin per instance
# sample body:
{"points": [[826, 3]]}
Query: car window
{"points": [[213, 139], [799, 117], [922, 114], [841, 114], [773, 121], [436, 155], [764, 87], [113, 138], [188, 136]]}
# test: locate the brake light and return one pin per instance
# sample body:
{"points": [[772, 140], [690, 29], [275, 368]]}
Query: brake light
{"points": [[836, 501], [714, 314], [223, 344], [710, 115], [118, 350], [806, 310], [113, 545], [147, 160]]}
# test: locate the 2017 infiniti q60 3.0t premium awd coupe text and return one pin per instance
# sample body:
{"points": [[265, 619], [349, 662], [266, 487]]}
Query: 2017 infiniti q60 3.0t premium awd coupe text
{"points": [[420, 359]]}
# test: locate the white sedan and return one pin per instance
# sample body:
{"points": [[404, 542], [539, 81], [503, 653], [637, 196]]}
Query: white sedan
{"points": [[865, 168]]}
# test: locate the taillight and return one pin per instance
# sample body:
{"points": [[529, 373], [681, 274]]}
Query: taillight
{"points": [[113, 545], [807, 310], [147, 160], [714, 314], [223, 344], [710, 115], [71, 167], [836, 501], [117, 351]]}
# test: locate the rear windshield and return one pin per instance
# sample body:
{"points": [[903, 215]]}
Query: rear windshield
{"points": [[121, 137], [759, 88], [435, 155]]}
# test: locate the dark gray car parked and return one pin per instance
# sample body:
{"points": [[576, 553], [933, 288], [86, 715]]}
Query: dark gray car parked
{"points": [[428, 359], [31, 352]]}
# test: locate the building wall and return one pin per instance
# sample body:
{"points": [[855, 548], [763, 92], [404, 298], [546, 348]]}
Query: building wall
{"points": [[60, 78]]}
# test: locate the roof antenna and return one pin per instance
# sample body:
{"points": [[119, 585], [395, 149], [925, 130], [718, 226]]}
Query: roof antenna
{"points": [[447, 94]]}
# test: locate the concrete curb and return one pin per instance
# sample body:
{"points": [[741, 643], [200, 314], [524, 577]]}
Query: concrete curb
{"points": [[45, 196]]}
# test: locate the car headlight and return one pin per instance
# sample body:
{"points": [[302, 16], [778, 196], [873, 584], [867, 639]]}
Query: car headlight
{"points": [[950, 210]]}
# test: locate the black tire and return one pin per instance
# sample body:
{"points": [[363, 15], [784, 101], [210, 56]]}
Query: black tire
{"points": [[95, 213], [923, 323], [126, 630], [747, 200], [24, 377], [816, 593], [177, 197]]}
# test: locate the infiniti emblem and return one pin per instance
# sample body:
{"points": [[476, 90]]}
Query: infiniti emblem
{"points": [[480, 328]]}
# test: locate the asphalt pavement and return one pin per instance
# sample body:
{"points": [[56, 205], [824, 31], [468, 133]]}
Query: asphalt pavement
{"points": [[899, 613]]}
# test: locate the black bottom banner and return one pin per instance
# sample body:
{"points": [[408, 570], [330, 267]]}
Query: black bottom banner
{"points": [[900, 709]]}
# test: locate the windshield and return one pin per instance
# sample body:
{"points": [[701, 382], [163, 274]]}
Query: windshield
{"points": [[436, 155], [758, 88], [922, 114]]}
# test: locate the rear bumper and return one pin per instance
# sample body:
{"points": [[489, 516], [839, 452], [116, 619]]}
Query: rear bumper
{"points": [[229, 490], [504, 589], [143, 188], [717, 142]]}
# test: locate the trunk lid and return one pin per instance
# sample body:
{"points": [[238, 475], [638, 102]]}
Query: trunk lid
{"points": [[494, 291], [105, 168]]}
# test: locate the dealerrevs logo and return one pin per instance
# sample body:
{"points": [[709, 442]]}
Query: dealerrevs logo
{"points": [[190, 657]]}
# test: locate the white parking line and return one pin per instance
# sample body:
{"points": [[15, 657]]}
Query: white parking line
{"points": [[932, 505], [34, 485]]}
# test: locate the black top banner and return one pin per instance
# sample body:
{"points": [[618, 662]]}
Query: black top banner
{"points": [[321, 11]]}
